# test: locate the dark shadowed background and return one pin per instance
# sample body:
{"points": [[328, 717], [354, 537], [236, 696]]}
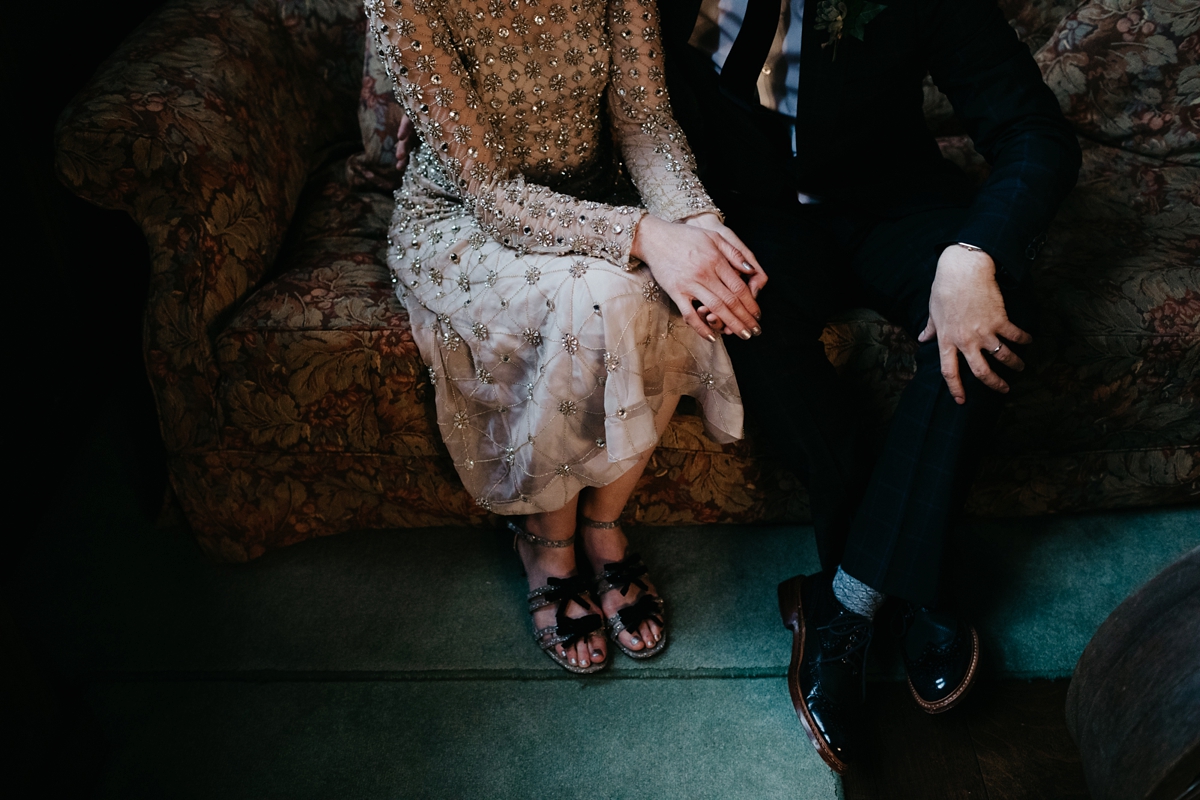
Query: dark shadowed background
{"points": [[77, 273], [76, 277]]}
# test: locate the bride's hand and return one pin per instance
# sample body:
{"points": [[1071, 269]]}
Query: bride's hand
{"points": [[698, 266], [757, 281]]}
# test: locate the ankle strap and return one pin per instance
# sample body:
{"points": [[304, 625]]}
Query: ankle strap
{"points": [[521, 533], [604, 526]]}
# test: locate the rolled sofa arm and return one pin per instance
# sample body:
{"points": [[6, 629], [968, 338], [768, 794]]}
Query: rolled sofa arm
{"points": [[203, 127]]}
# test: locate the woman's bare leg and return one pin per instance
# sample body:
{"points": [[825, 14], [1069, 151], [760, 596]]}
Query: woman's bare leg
{"points": [[542, 563], [605, 546]]}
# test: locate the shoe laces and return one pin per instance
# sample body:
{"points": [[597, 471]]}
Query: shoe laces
{"points": [[852, 627]]}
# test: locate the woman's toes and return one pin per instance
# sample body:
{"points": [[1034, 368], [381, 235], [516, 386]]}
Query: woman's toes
{"points": [[597, 649], [582, 653], [633, 640]]}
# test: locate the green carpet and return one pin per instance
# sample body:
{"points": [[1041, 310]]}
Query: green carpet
{"points": [[706, 738], [399, 663]]}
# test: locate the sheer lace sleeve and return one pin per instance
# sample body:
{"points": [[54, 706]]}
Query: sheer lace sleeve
{"points": [[434, 84], [652, 144]]}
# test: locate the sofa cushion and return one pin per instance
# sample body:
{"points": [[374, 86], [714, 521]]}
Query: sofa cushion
{"points": [[321, 358], [1127, 73]]}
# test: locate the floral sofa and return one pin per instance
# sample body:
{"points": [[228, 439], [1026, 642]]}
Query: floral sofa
{"points": [[293, 402]]}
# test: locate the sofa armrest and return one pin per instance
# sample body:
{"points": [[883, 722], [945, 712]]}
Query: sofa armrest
{"points": [[203, 127]]}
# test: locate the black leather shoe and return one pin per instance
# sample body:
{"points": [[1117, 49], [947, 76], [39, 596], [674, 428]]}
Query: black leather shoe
{"points": [[941, 655], [826, 674]]}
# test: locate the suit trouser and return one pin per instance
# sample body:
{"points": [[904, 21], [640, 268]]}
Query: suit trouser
{"points": [[883, 518]]}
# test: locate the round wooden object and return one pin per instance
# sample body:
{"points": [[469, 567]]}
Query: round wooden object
{"points": [[1133, 706]]}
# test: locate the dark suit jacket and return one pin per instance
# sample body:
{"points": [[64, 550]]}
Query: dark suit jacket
{"points": [[862, 140]]}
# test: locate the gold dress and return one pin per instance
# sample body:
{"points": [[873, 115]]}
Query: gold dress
{"points": [[550, 348]]}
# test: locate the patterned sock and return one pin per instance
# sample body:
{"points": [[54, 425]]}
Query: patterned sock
{"points": [[856, 595]]}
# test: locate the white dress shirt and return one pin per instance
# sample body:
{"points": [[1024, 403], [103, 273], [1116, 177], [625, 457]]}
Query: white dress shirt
{"points": [[779, 82]]}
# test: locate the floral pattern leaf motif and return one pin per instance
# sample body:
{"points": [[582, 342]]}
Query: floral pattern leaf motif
{"points": [[1124, 72]]}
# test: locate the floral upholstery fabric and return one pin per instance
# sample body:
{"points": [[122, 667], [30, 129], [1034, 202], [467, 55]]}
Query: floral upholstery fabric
{"points": [[379, 113], [293, 403], [1035, 20], [1127, 73]]}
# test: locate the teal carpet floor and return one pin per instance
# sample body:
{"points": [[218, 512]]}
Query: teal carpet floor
{"points": [[398, 663]]}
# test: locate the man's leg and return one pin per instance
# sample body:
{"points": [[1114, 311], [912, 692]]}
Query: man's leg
{"points": [[898, 532], [918, 485]]}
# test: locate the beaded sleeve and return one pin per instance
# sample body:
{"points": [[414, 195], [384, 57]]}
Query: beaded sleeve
{"points": [[435, 85], [653, 146]]}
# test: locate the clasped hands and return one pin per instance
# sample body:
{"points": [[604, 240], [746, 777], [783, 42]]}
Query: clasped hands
{"points": [[708, 272]]}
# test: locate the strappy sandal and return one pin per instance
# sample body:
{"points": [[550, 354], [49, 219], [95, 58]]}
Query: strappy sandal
{"points": [[621, 576], [566, 631]]}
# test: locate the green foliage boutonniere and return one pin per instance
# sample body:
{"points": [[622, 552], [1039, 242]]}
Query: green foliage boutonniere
{"points": [[845, 17]]}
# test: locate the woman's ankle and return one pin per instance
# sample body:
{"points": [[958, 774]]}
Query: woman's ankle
{"points": [[603, 545]]}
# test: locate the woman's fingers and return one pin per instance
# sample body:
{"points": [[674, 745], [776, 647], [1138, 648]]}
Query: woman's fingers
{"points": [[736, 242], [737, 294], [714, 321], [688, 312], [758, 276], [740, 292], [722, 302]]}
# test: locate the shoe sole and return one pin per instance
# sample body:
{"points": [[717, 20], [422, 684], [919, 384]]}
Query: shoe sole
{"points": [[791, 610], [954, 698]]}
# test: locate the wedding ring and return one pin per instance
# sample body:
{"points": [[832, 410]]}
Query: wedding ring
{"points": [[997, 350]]}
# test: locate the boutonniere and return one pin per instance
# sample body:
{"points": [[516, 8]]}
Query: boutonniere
{"points": [[845, 17]]}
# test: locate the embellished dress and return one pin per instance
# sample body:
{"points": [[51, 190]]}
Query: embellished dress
{"points": [[550, 348]]}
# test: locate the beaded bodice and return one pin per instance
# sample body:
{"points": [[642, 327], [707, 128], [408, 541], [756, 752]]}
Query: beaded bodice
{"points": [[514, 98]]}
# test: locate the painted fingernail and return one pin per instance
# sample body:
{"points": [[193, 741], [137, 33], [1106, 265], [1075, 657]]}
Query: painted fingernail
{"points": [[712, 338], [757, 331], [746, 266], [745, 334], [757, 314]]}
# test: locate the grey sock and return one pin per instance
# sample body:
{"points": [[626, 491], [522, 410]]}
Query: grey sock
{"points": [[856, 595]]}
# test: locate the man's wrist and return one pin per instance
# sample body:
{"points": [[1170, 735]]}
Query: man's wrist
{"points": [[963, 256]]}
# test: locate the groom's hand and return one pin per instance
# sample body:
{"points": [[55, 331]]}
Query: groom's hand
{"points": [[966, 315]]}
